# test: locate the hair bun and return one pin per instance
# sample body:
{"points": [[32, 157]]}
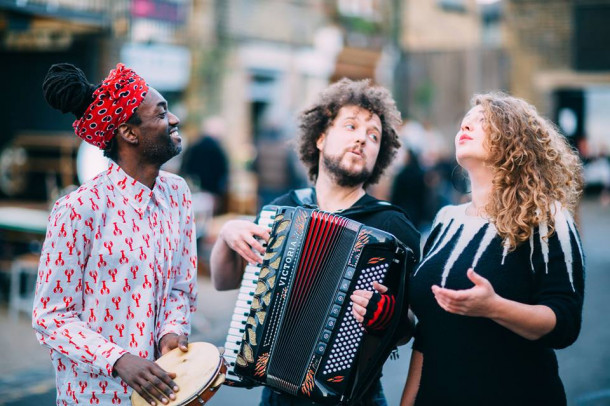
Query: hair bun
{"points": [[66, 88]]}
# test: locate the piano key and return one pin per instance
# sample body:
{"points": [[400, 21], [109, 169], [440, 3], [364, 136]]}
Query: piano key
{"points": [[237, 323], [234, 341], [232, 346], [251, 275], [242, 308], [234, 338], [243, 304], [239, 317], [235, 333], [247, 289], [245, 297]]}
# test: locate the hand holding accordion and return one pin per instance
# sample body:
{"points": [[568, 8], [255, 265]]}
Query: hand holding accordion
{"points": [[293, 328], [373, 309]]}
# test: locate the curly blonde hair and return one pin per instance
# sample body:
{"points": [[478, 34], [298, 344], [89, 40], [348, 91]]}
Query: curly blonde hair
{"points": [[534, 167]]}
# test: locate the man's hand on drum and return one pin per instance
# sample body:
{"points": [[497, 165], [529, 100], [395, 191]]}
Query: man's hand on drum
{"points": [[170, 341], [147, 378], [240, 236]]}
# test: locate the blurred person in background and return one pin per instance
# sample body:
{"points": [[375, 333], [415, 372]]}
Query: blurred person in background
{"points": [[346, 140], [412, 136], [117, 276], [597, 173], [435, 164], [274, 164], [501, 282], [434, 146], [409, 189], [206, 165]]}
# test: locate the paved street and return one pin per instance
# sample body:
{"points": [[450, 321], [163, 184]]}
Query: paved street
{"points": [[26, 377]]}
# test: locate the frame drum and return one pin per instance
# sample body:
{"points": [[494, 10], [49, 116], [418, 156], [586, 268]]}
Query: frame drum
{"points": [[199, 373]]}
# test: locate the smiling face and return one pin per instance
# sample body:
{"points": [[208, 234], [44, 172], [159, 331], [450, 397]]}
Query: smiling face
{"points": [[158, 132], [350, 145], [471, 140]]}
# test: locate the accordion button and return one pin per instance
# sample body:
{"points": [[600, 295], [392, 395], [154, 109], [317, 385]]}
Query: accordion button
{"points": [[326, 335], [344, 286], [340, 298], [320, 348], [336, 309], [330, 323], [349, 272]]}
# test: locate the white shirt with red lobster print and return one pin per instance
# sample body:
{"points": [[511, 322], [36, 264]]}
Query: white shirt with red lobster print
{"points": [[117, 272]]}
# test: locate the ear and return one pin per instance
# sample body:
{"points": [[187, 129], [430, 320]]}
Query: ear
{"points": [[320, 141], [126, 132]]}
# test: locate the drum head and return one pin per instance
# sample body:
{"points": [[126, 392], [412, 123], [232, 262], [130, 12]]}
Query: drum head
{"points": [[195, 371]]}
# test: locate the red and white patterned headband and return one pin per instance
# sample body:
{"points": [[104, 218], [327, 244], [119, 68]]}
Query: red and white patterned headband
{"points": [[114, 102]]}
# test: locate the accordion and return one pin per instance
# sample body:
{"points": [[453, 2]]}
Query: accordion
{"points": [[293, 328]]}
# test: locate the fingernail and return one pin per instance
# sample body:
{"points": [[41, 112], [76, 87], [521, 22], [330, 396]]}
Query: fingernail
{"points": [[176, 388], [172, 396], [164, 400]]}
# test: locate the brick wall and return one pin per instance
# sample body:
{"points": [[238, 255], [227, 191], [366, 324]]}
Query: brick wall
{"points": [[539, 34], [429, 26]]}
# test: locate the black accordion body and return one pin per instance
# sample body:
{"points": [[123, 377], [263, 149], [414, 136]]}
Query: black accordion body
{"points": [[293, 328]]}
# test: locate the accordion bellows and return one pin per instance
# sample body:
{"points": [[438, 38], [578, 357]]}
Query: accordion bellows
{"points": [[299, 335]]}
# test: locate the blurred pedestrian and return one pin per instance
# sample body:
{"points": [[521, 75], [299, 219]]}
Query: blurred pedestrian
{"points": [[117, 275], [434, 146], [501, 282], [274, 164], [409, 189], [206, 163]]}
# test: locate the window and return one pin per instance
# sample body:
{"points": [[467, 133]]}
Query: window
{"points": [[591, 48], [452, 5]]}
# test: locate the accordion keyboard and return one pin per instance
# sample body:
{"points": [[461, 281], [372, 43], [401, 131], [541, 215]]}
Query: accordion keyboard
{"points": [[244, 302]]}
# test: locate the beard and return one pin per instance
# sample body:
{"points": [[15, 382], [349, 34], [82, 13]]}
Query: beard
{"points": [[162, 151], [341, 175]]}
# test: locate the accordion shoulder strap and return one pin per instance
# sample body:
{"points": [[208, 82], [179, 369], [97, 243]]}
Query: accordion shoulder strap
{"points": [[306, 197]]}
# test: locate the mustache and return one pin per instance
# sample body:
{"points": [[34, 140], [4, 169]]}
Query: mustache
{"points": [[356, 149]]}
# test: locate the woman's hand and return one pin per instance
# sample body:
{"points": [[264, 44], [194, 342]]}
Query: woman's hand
{"points": [[478, 301], [239, 235], [529, 321]]}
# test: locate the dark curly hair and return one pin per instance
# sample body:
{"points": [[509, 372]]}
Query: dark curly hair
{"points": [[316, 120]]}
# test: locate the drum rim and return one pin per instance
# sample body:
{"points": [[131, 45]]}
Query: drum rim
{"points": [[203, 387]]}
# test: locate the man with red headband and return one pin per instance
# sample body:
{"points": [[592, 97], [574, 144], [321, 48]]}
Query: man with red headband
{"points": [[117, 275]]}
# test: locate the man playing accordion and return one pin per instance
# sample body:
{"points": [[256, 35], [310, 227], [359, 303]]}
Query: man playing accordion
{"points": [[346, 141]]}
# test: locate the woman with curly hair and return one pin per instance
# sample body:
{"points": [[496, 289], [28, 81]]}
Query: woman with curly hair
{"points": [[501, 282]]}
